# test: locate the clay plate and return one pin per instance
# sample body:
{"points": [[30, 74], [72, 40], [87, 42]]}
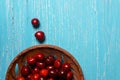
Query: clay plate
{"points": [[58, 52]]}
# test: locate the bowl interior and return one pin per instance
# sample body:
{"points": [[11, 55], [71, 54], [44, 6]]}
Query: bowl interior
{"points": [[59, 53]]}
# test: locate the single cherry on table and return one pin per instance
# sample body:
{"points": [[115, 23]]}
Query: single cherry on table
{"points": [[35, 22], [40, 35]]}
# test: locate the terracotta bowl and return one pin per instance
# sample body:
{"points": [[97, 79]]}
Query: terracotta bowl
{"points": [[58, 52]]}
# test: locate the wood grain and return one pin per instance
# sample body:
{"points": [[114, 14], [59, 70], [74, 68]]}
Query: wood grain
{"points": [[89, 29]]}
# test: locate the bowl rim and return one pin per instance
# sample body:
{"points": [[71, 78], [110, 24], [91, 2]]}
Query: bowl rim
{"points": [[43, 46]]}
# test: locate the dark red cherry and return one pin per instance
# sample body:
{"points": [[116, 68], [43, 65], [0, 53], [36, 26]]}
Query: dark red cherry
{"points": [[50, 67], [39, 56], [43, 72], [50, 60], [35, 70], [36, 76], [57, 63], [35, 22], [50, 79], [40, 65], [40, 35], [69, 75], [25, 70], [62, 73], [42, 78], [52, 73], [31, 60], [57, 70], [66, 67], [20, 78], [29, 77]]}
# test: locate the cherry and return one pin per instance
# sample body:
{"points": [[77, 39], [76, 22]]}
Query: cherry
{"points": [[50, 60], [25, 70], [66, 67], [30, 77], [69, 75], [43, 72], [40, 64], [50, 67], [39, 56], [52, 73], [31, 61], [35, 70], [57, 63], [62, 73], [45, 68], [35, 22], [40, 35], [36, 76], [57, 70], [20, 78], [42, 78], [50, 79]]}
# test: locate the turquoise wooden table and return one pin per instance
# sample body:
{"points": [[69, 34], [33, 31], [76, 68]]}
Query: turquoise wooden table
{"points": [[88, 29]]}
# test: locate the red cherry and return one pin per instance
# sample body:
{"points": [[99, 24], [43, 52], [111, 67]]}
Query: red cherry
{"points": [[50, 67], [20, 78], [35, 70], [40, 35], [57, 70], [50, 60], [66, 67], [36, 76], [40, 65], [39, 56], [25, 70], [69, 75], [50, 79], [35, 22], [51, 57], [31, 61], [62, 73], [42, 78], [29, 77], [57, 63], [43, 72], [52, 73]]}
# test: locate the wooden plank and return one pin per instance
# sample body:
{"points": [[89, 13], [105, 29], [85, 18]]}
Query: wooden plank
{"points": [[89, 30]]}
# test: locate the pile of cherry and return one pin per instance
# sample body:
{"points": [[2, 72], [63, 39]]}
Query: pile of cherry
{"points": [[41, 67]]}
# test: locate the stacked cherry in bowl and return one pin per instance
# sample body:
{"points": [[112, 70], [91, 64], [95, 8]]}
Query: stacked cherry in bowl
{"points": [[41, 67], [44, 62]]}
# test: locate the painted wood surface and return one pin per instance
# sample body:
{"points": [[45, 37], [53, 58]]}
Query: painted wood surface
{"points": [[88, 29]]}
